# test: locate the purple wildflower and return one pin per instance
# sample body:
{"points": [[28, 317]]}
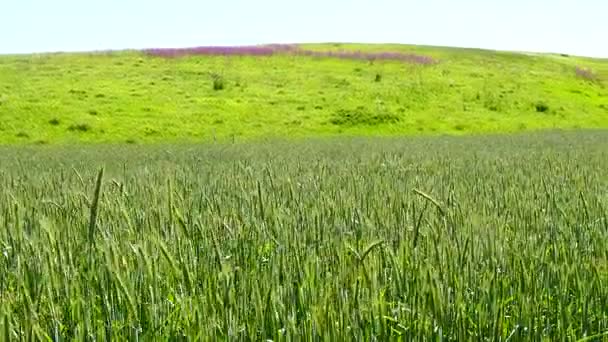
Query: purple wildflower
{"points": [[585, 73], [272, 49]]}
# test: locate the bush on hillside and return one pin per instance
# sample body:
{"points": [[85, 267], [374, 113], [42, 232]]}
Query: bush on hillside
{"points": [[362, 116]]}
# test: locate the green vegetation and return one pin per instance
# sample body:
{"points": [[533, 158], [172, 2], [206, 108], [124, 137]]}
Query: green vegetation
{"points": [[128, 96], [501, 237], [455, 238]]}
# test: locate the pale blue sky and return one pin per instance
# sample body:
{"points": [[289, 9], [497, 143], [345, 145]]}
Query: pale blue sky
{"points": [[569, 26]]}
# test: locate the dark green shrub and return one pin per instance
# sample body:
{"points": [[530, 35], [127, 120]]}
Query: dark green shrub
{"points": [[79, 127], [218, 82], [362, 116], [541, 107], [460, 127]]}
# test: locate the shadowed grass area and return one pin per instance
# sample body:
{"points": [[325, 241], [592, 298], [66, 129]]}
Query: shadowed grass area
{"points": [[453, 238], [130, 96]]}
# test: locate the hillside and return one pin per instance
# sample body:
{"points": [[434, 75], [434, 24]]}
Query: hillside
{"points": [[137, 97]]}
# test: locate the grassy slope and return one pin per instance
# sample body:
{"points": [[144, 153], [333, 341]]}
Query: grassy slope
{"points": [[126, 96]]}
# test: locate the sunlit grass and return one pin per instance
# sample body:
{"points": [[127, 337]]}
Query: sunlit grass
{"points": [[131, 96]]}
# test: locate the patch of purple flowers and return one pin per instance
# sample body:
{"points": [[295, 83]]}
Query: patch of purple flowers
{"points": [[585, 73], [370, 56], [269, 50], [262, 50]]}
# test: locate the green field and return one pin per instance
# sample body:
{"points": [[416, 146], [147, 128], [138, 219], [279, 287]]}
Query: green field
{"points": [[453, 238], [131, 97], [313, 199]]}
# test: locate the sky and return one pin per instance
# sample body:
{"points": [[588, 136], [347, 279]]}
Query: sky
{"points": [[578, 27]]}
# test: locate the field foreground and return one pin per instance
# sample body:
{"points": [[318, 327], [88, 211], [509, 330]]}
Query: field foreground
{"points": [[245, 94], [461, 238]]}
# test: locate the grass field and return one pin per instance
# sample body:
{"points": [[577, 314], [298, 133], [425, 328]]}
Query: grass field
{"points": [[453, 238], [133, 97], [285, 197]]}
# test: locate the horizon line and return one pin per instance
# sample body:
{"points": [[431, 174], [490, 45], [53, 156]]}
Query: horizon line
{"points": [[143, 49]]}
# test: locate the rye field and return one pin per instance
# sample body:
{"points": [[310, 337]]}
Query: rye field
{"points": [[478, 238]]}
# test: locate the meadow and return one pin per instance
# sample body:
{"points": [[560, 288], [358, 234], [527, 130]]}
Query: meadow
{"points": [[241, 94], [495, 238]]}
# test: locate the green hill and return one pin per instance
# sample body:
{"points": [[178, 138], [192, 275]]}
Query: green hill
{"points": [[134, 97]]}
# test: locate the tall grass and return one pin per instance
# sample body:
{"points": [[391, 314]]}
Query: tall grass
{"points": [[481, 238]]}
